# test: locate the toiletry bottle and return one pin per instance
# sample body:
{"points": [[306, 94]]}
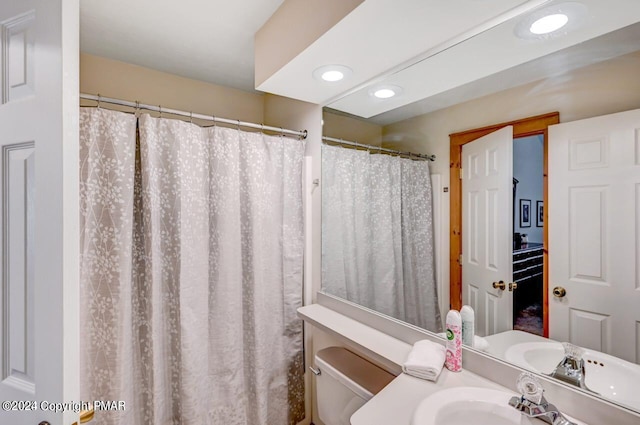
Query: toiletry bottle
{"points": [[468, 325], [454, 341]]}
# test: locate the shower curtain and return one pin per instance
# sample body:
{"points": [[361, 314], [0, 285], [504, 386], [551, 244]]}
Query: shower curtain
{"points": [[191, 272], [377, 234]]}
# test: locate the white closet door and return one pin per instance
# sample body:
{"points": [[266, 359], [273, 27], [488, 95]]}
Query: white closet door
{"points": [[39, 195], [487, 240], [594, 233]]}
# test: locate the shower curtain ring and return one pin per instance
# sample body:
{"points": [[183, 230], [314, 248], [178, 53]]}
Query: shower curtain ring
{"points": [[137, 113], [191, 117], [160, 110], [214, 120], [99, 98], [238, 124]]}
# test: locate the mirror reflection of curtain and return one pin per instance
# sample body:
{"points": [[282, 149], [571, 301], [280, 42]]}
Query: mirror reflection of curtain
{"points": [[377, 234], [191, 272]]}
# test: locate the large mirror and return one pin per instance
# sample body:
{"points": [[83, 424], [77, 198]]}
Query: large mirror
{"points": [[544, 259]]}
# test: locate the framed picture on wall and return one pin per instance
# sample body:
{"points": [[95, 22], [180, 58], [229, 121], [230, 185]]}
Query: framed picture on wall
{"points": [[525, 212], [539, 214]]}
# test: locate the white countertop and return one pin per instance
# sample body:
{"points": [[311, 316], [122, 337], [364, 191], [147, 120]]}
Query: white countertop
{"points": [[395, 404]]}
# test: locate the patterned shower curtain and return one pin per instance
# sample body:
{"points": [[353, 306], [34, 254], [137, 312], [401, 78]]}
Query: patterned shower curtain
{"points": [[191, 272], [377, 234]]}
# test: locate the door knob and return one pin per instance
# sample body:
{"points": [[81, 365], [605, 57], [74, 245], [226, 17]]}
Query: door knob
{"points": [[513, 286], [559, 292], [499, 285]]}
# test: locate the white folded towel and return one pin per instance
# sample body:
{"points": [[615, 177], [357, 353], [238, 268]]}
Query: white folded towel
{"points": [[479, 343], [425, 361]]}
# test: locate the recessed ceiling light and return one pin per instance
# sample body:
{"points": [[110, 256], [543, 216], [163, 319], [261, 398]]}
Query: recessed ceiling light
{"points": [[332, 76], [385, 91], [552, 21], [332, 73], [549, 23]]}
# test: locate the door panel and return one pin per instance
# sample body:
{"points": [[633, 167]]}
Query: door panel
{"points": [[588, 209], [594, 233], [39, 214], [492, 313], [487, 229], [473, 228], [493, 245], [18, 265], [593, 330]]}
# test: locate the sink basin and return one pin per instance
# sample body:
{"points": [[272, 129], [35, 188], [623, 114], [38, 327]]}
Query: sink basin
{"points": [[611, 377], [469, 405]]}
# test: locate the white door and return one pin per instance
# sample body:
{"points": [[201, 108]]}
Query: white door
{"points": [[39, 196], [594, 233], [487, 230]]}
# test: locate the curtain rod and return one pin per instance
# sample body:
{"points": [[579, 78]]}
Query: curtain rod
{"points": [[377, 148], [160, 109]]}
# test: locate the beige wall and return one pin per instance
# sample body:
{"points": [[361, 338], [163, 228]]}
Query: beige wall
{"points": [[121, 80], [351, 129], [599, 89]]}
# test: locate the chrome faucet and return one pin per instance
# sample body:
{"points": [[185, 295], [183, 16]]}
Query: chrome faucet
{"points": [[532, 403], [571, 367]]}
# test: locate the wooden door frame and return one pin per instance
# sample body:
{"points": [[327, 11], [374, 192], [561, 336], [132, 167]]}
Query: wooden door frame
{"points": [[521, 128]]}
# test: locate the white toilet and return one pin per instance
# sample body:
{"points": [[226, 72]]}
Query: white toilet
{"points": [[346, 382]]}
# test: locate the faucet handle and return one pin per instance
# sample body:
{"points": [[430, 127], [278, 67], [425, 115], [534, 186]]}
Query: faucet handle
{"points": [[573, 351], [530, 387]]}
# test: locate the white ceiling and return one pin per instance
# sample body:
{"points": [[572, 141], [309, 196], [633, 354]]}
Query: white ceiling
{"points": [[379, 35], [605, 47], [495, 58], [205, 40]]}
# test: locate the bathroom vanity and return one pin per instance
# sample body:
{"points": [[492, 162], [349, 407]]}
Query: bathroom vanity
{"points": [[397, 402], [387, 342]]}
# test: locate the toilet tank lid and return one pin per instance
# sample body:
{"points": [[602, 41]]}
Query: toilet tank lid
{"points": [[344, 365]]}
